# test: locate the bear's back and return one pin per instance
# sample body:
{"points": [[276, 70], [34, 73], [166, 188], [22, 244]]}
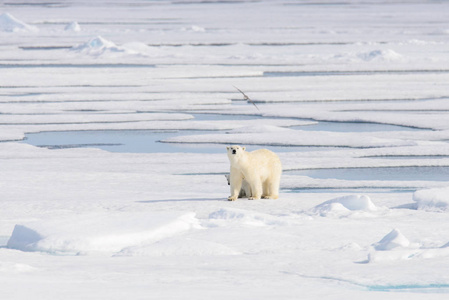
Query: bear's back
{"points": [[263, 154]]}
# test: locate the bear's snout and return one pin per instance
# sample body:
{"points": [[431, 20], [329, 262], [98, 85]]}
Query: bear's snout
{"points": [[233, 151]]}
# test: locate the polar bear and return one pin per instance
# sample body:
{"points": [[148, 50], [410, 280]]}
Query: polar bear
{"points": [[260, 168], [245, 191]]}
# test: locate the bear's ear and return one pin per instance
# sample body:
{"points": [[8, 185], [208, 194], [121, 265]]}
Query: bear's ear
{"points": [[243, 148], [227, 148]]}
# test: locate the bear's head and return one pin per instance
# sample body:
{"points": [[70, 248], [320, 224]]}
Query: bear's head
{"points": [[235, 152]]}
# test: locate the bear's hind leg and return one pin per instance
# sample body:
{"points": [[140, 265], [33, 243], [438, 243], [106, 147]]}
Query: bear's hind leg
{"points": [[266, 190], [272, 188], [256, 190]]}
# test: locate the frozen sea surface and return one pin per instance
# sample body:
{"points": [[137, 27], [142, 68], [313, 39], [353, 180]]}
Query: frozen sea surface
{"points": [[114, 117]]}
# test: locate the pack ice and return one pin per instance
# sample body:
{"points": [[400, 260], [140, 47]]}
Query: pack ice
{"points": [[349, 93]]}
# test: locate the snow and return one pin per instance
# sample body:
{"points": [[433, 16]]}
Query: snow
{"points": [[8, 23], [432, 199], [395, 246], [261, 129], [342, 206], [109, 233], [194, 28], [380, 55], [356, 86], [293, 138], [73, 27], [97, 46], [246, 217], [392, 240]]}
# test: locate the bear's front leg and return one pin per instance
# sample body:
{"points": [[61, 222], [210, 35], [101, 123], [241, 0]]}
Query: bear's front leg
{"points": [[236, 184]]}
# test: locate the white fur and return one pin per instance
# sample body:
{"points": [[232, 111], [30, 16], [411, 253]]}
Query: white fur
{"points": [[260, 168], [245, 191]]}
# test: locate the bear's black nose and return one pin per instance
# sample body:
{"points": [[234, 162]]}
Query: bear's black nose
{"points": [[233, 151]]}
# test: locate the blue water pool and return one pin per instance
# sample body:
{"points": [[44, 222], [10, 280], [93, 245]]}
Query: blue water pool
{"points": [[147, 141]]}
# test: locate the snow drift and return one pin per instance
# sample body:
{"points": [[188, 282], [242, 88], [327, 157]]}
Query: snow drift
{"points": [[98, 46], [345, 206], [432, 199], [73, 27], [375, 56], [99, 233], [101, 47], [226, 215], [395, 246], [391, 241], [9, 23], [380, 55]]}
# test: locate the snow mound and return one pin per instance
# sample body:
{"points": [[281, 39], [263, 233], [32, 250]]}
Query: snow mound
{"points": [[392, 240], [432, 199], [259, 129], [98, 46], [246, 217], [345, 205], [380, 55], [8, 23], [395, 246], [74, 27], [99, 233]]}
